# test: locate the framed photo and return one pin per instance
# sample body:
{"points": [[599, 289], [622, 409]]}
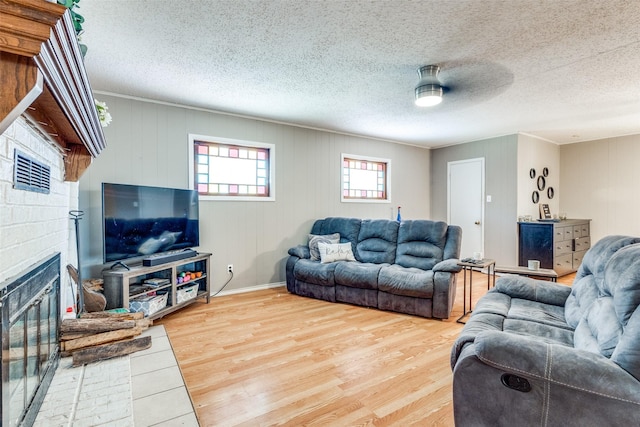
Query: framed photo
{"points": [[545, 212]]}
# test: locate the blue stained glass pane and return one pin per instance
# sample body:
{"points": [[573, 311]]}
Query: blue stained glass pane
{"points": [[202, 178], [203, 159]]}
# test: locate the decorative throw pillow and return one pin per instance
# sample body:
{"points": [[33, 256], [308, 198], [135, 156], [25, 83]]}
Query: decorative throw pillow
{"points": [[332, 252], [315, 238]]}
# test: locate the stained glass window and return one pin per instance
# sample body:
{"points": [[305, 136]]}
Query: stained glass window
{"points": [[364, 178], [225, 169]]}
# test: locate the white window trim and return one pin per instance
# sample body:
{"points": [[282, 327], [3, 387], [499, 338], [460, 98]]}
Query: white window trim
{"points": [[366, 158], [241, 143]]}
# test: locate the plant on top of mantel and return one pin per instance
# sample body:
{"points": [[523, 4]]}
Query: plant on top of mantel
{"points": [[77, 20]]}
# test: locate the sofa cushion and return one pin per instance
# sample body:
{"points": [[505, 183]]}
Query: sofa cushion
{"points": [[377, 241], [421, 243], [542, 332], [622, 279], [314, 239], [358, 275], [589, 282], [332, 252], [546, 314], [349, 228], [314, 272], [412, 282]]}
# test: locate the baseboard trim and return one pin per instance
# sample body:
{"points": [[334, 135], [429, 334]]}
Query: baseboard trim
{"points": [[251, 289]]}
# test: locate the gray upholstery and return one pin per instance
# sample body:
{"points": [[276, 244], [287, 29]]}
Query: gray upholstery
{"points": [[408, 267], [578, 347]]}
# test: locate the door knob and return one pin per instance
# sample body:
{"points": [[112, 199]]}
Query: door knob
{"points": [[477, 223]]}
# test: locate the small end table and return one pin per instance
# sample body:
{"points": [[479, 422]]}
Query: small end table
{"points": [[490, 265]]}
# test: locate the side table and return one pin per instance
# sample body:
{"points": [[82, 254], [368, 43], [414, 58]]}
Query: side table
{"points": [[490, 265]]}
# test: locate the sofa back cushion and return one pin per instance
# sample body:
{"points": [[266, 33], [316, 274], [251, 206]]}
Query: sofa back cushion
{"points": [[589, 283], [349, 228], [421, 243], [611, 324], [377, 241]]}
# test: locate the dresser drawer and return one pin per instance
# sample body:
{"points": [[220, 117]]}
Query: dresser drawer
{"points": [[582, 243], [563, 247], [577, 259], [563, 264], [577, 231]]}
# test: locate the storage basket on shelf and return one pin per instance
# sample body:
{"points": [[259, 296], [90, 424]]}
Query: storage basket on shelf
{"points": [[187, 293], [149, 304]]}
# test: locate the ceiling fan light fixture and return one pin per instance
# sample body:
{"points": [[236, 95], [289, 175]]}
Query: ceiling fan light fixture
{"points": [[428, 95]]}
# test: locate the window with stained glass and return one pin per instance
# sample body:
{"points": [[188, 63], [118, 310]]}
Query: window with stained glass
{"points": [[231, 169], [365, 178]]}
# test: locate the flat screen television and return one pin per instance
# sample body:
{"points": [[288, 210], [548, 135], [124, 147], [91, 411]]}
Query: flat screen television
{"points": [[139, 221]]}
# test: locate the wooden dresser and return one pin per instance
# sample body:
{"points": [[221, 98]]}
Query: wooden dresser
{"points": [[557, 245]]}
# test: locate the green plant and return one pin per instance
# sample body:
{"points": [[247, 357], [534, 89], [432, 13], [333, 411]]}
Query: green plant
{"points": [[77, 20]]}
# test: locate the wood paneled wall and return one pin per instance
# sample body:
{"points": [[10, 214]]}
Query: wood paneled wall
{"points": [[500, 156], [600, 181], [147, 144]]}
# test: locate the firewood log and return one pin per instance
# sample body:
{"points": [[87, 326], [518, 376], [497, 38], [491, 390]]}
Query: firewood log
{"points": [[108, 351]]}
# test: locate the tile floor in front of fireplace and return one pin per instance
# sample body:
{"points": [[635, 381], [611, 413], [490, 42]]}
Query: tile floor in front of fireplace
{"points": [[143, 389]]}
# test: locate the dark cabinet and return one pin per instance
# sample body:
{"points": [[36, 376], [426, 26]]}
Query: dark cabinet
{"points": [[557, 245]]}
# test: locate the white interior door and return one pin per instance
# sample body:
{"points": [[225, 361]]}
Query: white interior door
{"points": [[465, 197]]}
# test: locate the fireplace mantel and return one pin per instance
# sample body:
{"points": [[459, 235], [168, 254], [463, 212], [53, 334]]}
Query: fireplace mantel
{"points": [[44, 80]]}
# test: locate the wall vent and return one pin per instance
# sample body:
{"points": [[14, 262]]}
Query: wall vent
{"points": [[30, 175]]}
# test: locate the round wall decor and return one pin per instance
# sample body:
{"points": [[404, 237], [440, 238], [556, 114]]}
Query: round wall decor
{"points": [[535, 197], [550, 192], [541, 183], [545, 172], [532, 173]]}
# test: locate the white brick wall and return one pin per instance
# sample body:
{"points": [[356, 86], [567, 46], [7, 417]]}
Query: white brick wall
{"points": [[34, 225]]}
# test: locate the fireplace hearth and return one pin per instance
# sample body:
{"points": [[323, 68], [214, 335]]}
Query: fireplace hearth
{"points": [[30, 320]]}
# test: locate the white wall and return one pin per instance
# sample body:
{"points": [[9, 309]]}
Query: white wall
{"points": [[147, 143], [33, 225], [601, 181], [537, 154]]}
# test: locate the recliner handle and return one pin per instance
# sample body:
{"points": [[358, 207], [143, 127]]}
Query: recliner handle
{"points": [[515, 382]]}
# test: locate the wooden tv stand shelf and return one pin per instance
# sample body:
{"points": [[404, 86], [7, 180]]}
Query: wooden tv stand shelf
{"points": [[122, 287]]}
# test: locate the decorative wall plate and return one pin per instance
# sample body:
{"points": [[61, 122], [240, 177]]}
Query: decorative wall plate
{"points": [[541, 183], [545, 172], [532, 173], [550, 192], [535, 197]]}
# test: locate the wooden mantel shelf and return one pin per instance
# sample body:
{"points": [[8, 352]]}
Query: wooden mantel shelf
{"points": [[44, 79]]}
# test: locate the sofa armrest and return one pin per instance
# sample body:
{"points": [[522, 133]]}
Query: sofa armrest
{"points": [[533, 358], [448, 266], [301, 251], [533, 290]]}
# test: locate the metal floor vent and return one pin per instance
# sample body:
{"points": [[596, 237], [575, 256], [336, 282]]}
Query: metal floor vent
{"points": [[30, 175]]}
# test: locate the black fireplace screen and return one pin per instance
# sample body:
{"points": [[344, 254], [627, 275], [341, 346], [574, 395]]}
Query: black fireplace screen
{"points": [[30, 307]]}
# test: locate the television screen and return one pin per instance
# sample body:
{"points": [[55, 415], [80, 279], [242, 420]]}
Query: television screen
{"points": [[140, 221]]}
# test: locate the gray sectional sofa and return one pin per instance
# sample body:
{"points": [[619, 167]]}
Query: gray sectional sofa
{"points": [[540, 353], [408, 267]]}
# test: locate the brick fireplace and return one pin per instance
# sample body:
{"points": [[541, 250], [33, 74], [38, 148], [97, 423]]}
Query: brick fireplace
{"points": [[47, 119], [34, 228]]}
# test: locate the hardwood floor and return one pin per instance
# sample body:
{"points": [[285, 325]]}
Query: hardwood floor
{"points": [[272, 358]]}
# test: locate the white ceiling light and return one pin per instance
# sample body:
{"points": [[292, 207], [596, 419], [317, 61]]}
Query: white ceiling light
{"points": [[428, 92]]}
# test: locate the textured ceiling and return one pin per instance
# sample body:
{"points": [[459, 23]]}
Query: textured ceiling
{"points": [[562, 70]]}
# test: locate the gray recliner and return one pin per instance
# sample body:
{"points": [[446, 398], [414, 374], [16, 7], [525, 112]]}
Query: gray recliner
{"points": [[540, 353]]}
